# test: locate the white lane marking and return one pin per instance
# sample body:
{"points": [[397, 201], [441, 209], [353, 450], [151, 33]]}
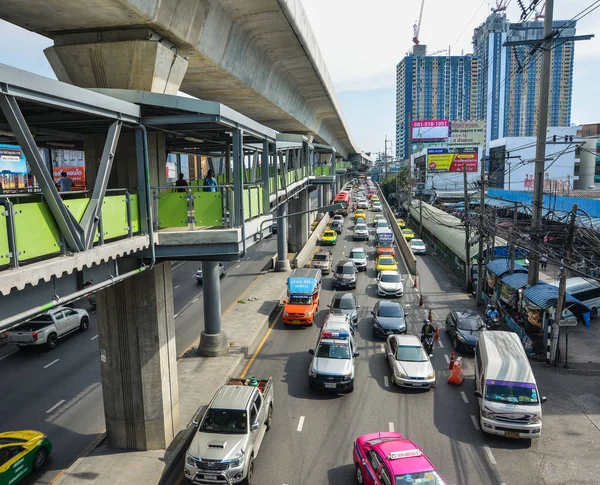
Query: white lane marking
{"points": [[8, 355], [382, 348], [386, 381], [441, 344], [176, 287], [179, 264], [51, 363], [176, 315], [94, 337], [195, 300], [475, 423], [300, 424], [464, 396], [391, 425], [238, 265], [488, 452], [55, 406], [447, 358]]}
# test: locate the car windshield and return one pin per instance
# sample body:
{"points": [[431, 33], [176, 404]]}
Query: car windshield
{"points": [[299, 300], [224, 421], [419, 478], [387, 261], [320, 257], [345, 269], [361, 227], [470, 323], [417, 242], [411, 353], [345, 302], [382, 223], [333, 350], [391, 278], [391, 311], [511, 392], [358, 254], [406, 231]]}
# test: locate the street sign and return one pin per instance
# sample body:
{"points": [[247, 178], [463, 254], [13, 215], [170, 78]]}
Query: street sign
{"points": [[568, 322]]}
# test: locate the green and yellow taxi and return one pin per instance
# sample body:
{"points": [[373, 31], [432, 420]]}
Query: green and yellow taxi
{"points": [[329, 238], [408, 234], [401, 223], [386, 263], [360, 213], [22, 452], [376, 218]]}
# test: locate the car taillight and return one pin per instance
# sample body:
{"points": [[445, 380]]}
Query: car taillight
{"points": [[35, 336], [5, 334]]}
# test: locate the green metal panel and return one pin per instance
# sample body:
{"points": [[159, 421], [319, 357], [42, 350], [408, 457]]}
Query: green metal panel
{"points": [[272, 185], [4, 259], [77, 207], [135, 213], [172, 209], [36, 231], [246, 204], [114, 217], [256, 207], [208, 210]]}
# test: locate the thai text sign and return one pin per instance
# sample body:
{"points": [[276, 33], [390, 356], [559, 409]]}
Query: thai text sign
{"points": [[452, 159]]}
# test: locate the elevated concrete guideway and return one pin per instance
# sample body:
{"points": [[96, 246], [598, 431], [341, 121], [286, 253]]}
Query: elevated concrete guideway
{"points": [[259, 57]]}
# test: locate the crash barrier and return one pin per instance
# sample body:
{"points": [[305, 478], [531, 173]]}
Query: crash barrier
{"points": [[37, 236], [408, 256], [457, 376], [306, 253]]}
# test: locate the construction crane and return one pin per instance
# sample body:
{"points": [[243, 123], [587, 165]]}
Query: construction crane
{"points": [[437, 52], [417, 26], [500, 6]]}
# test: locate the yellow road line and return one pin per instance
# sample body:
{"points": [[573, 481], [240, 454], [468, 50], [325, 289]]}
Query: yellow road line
{"points": [[260, 345]]}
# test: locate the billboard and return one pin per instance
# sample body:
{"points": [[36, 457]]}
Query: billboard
{"points": [[452, 159], [70, 161], [467, 133], [12, 160], [430, 130]]}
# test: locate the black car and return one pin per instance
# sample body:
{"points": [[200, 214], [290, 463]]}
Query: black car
{"points": [[345, 304], [337, 226], [389, 318], [344, 274], [464, 328]]}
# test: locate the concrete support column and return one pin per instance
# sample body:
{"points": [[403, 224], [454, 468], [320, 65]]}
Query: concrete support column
{"points": [[283, 263], [299, 223], [320, 196], [133, 59], [213, 341], [327, 194], [138, 361]]}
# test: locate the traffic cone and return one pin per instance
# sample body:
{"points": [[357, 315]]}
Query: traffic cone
{"points": [[458, 374], [451, 364], [421, 304], [430, 316], [415, 284], [437, 335]]}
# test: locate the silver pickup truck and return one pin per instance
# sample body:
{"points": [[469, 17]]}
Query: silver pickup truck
{"points": [[46, 329], [230, 433]]}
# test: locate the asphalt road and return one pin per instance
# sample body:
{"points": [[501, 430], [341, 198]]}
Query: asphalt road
{"points": [[59, 392], [312, 436]]}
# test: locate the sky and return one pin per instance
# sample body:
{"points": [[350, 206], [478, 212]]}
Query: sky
{"points": [[362, 42]]}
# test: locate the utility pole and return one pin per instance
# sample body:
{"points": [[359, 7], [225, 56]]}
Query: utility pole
{"points": [[493, 254], [562, 289], [467, 233], [481, 217], [410, 174], [513, 246], [421, 217], [540, 149]]}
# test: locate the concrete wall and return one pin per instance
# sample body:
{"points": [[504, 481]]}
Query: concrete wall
{"points": [[407, 255], [306, 254]]}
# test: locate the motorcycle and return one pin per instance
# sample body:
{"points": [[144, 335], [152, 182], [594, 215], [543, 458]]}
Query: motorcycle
{"points": [[428, 343], [492, 323]]}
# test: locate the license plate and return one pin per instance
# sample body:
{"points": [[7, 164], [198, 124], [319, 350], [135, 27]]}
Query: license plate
{"points": [[417, 384], [209, 477], [295, 322], [511, 434], [330, 385]]}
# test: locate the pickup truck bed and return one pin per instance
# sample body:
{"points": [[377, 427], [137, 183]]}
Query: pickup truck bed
{"points": [[263, 384]]}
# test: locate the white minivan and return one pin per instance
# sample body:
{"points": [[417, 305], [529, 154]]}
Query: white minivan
{"points": [[510, 404]]}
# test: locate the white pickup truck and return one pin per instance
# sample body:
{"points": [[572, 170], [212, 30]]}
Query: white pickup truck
{"points": [[230, 433], [48, 328]]}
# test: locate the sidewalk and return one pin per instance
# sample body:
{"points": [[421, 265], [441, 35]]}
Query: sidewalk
{"points": [[245, 323]]}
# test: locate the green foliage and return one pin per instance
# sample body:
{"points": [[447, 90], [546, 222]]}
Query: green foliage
{"points": [[388, 186]]}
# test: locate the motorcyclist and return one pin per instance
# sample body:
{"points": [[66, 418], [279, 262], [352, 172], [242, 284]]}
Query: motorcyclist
{"points": [[426, 329], [492, 313]]}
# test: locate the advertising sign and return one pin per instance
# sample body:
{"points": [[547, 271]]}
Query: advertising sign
{"points": [[12, 160], [70, 161], [430, 130], [452, 159], [467, 133]]}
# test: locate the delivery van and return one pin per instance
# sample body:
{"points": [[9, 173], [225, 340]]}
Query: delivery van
{"points": [[510, 404]]}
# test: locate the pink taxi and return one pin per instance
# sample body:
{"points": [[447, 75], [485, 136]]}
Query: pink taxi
{"points": [[391, 459]]}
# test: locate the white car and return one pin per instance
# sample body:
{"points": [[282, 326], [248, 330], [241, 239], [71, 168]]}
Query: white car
{"points": [[359, 256], [338, 217], [409, 363], [418, 246], [361, 232], [332, 366], [377, 207], [390, 283], [199, 273], [362, 204]]}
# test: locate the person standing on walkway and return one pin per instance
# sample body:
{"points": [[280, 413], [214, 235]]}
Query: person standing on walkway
{"points": [[544, 261], [210, 182], [181, 182], [64, 183]]}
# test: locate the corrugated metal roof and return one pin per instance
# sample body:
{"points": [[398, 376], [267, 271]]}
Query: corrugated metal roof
{"points": [[515, 280], [502, 266]]}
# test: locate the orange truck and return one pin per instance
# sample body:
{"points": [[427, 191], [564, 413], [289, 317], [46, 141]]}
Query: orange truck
{"points": [[304, 290]]}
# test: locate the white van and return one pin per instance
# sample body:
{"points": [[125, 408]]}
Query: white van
{"points": [[586, 291], [509, 401]]}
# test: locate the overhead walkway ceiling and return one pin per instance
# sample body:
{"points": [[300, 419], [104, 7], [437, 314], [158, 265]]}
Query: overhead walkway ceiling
{"points": [[259, 57]]}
